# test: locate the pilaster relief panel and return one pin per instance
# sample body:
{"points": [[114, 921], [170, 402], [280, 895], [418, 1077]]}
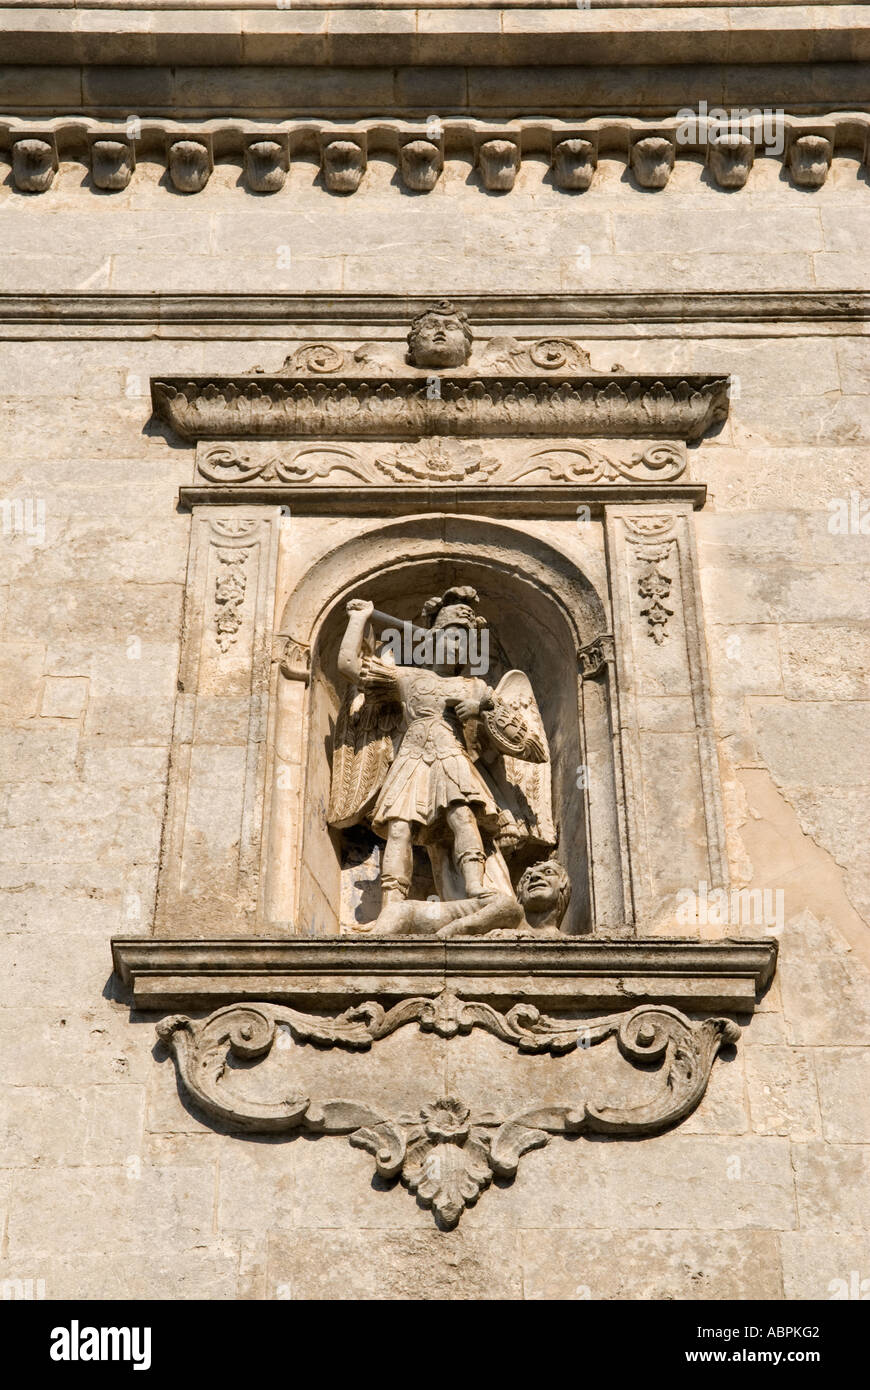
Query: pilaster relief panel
{"points": [[672, 796], [210, 861]]}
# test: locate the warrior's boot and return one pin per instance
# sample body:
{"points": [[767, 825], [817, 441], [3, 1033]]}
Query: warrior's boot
{"points": [[472, 866], [468, 854]]}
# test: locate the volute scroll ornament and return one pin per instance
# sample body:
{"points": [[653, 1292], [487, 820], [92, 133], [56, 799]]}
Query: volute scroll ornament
{"points": [[445, 1153]]}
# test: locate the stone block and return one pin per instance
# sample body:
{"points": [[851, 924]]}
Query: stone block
{"points": [[73, 1048], [73, 1208], [825, 1000], [579, 1265], [843, 1078], [825, 661], [50, 1127], [823, 1265], [63, 697], [781, 1086], [745, 659], [257, 1186], [833, 1187], [814, 744], [21, 665], [38, 754], [204, 1269], [374, 1264], [674, 1182]]}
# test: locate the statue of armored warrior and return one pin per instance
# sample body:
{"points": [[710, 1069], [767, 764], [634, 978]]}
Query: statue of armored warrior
{"points": [[429, 754]]}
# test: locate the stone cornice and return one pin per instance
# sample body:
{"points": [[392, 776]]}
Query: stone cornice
{"points": [[284, 316], [111, 148], [277, 407], [496, 36], [571, 973]]}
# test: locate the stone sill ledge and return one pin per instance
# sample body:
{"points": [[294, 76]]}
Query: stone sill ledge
{"points": [[580, 974], [488, 499], [437, 36]]}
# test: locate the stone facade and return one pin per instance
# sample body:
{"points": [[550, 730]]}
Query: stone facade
{"points": [[213, 437]]}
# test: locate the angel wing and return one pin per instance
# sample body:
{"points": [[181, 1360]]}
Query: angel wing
{"points": [[514, 727], [362, 750]]}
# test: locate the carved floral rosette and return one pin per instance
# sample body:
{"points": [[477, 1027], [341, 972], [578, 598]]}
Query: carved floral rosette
{"points": [[444, 1153]]}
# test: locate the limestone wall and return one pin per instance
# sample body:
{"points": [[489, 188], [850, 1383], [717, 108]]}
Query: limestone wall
{"points": [[108, 1185]]}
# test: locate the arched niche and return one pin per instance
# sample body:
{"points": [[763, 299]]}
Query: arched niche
{"points": [[541, 608]]}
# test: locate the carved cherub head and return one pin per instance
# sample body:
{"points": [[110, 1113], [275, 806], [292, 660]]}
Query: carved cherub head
{"points": [[544, 892], [439, 337]]}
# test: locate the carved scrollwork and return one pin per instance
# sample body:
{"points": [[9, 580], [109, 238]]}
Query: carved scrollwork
{"points": [[444, 1153], [548, 354], [225, 463], [318, 358], [572, 463], [555, 353]]}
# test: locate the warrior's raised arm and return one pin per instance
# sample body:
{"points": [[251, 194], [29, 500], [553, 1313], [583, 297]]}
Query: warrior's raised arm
{"points": [[359, 611]]}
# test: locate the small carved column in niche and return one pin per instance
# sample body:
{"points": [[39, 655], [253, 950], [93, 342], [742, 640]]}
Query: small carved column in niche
{"points": [[673, 807], [601, 774], [210, 861]]}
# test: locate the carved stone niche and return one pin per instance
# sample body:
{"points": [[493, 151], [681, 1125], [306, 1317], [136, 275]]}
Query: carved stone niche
{"points": [[551, 507]]}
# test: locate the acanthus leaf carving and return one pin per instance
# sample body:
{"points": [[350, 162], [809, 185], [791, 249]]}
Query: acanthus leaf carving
{"points": [[652, 159], [445, 1153], [592, 659], [570, 463], [435, 460], [226, 463], [447, 1159], [404, 407]]}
